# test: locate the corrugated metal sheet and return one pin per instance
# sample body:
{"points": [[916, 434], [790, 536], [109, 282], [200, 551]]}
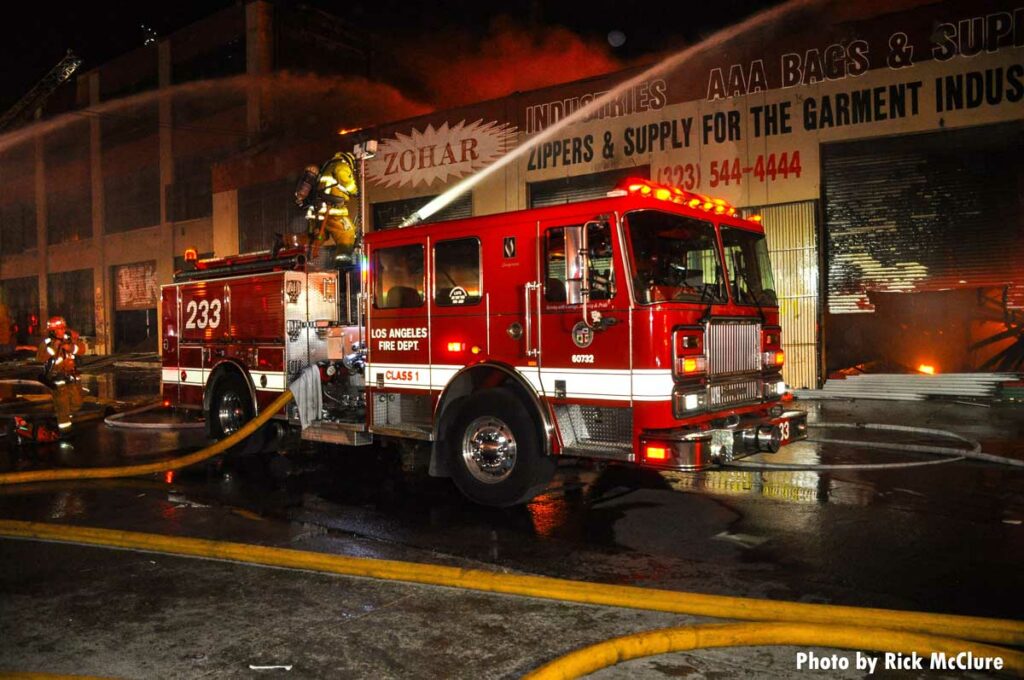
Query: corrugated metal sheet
{"points": [[581, 187], [793, 247], [390, 214], [923, 213]]}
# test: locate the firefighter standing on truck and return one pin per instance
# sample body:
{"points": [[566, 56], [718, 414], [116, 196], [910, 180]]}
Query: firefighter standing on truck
{"points": [[59, 352], [336, 184]]}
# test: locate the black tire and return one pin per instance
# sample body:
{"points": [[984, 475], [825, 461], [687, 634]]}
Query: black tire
{"points": [[511, 468], [230, 406]]}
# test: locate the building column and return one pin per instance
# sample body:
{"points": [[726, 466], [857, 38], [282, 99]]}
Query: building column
{"points": [[225, 223], [169, 247], [41, 244], [259, 62], [100, 275]]}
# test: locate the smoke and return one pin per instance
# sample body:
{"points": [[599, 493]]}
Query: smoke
{"points": [[456, 68]]}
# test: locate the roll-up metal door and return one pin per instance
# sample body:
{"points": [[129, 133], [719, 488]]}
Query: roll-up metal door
{"points": [[390, 214], [924, 212], [793, 247], [581, 187]]}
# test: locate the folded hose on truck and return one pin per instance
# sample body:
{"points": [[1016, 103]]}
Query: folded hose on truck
{"points": [[156, 466], [688, 638]]}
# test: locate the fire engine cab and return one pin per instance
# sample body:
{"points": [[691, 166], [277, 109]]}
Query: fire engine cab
{"points": [[639, 328]]}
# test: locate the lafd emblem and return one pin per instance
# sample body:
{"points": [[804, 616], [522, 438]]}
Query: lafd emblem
{"points": [[582, 334]]}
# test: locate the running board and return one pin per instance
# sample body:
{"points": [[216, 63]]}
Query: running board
{"points": [[604, 452], [346, 434]]}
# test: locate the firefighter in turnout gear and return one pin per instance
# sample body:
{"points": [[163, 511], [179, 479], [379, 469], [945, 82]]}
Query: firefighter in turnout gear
{"points": [[329, 214], [59, 352]]}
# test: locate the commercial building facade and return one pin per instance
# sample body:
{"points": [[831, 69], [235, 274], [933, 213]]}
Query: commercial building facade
{"points": [[881, 142], [103, 193]]}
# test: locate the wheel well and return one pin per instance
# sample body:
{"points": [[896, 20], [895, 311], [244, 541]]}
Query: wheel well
{"points": [[473, 379], [220, 371]]}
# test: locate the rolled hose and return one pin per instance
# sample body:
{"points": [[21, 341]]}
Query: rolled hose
{"points": [[156, 466], [117, 421], [687, 638], [999, 631]]}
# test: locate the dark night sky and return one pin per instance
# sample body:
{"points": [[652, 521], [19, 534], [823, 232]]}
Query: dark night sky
{"points": [[31, 44]]}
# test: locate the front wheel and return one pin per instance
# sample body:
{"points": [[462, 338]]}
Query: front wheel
{"points": [[496, 452]]}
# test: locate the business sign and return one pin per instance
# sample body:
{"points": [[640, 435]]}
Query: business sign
{"points": [[136, 286], [439, 154], [753, 132]]}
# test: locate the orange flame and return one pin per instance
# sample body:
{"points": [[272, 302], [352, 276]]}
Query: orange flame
{"points": [[927, 369]]}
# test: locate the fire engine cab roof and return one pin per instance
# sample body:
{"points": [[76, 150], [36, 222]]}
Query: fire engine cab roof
{"points": [[630, 194]]}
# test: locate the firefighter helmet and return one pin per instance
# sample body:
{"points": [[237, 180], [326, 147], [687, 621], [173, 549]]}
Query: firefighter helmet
{"points": [[56, 325]]}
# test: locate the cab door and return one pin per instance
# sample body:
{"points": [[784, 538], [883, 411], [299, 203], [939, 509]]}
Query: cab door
{"points": [[584, 352]]}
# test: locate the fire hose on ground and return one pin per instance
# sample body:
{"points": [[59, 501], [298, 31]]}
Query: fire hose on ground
{"points": [[708, 636], [117, 421], [156, 466], [776, 622], [953, 453], [779, 623]]}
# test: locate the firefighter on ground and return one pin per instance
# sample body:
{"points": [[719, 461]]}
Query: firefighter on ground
{"points": [[329, 215], [59, 352]]}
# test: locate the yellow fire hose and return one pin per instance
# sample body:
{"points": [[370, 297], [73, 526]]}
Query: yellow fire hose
{"points": [[1001, 631], [610, 652], [157, 466], [789, 623]]}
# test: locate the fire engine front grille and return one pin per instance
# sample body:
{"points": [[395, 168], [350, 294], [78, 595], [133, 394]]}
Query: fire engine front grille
{"points": [[733, 347], [727, 394]]}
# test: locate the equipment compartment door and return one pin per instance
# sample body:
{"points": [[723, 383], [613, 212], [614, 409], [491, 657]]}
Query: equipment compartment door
{"points": [[204, 321]]}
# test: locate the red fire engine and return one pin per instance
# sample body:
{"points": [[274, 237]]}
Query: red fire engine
{"points": [[639, 328]]}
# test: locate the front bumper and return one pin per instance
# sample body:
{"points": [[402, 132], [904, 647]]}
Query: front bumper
{"points": [[698, 449]]}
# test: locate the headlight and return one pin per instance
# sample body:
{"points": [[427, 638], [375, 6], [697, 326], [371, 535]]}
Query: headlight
{"points": [[774, 389], [687, 403]]}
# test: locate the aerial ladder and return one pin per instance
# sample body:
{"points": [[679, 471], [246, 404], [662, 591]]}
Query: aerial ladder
{"points": [[42, 90]]}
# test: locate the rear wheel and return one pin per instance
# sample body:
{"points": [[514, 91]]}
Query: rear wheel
{"points": [[230, 408], [496, 451]]}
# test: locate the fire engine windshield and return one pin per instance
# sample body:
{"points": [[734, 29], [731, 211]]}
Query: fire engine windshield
{"points": [[750, 271], [674, 258]]}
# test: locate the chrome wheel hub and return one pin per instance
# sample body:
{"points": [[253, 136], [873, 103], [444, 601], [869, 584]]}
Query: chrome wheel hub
{"points": [[489, 450], [231, 414]]}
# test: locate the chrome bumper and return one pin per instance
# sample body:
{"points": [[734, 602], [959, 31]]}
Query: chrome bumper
{"points": [[695, 450]]}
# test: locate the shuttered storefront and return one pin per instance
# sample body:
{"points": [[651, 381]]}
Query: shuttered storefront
{"points": [[580, 188], [390, 214], [793, 246], [136, 296], [924, 212]]}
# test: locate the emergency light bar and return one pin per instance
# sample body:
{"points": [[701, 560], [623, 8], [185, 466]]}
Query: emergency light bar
{"points": [[663, 192]]}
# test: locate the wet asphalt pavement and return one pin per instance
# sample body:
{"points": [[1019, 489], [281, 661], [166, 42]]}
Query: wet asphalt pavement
{"points": [[946, 538]]}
